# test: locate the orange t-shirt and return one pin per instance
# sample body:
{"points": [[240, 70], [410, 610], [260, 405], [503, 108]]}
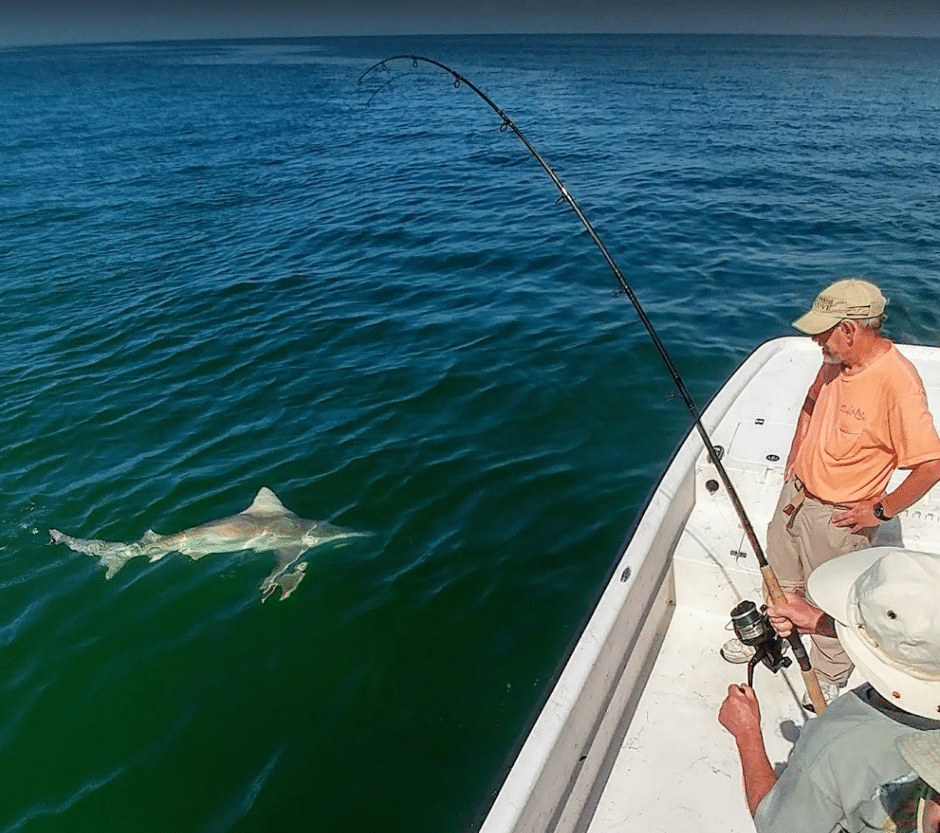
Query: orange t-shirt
{"points": [[865, 426]]}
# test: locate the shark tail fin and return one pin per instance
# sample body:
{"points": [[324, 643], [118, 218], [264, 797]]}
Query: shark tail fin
{"points": [[112, 554]]}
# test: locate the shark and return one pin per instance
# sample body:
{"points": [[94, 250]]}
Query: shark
{"points": [[265, 526]]}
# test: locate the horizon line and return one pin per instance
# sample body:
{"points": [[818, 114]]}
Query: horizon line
{"points": [[272, 37]]}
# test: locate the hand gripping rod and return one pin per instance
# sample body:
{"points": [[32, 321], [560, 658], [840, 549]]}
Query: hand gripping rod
{"points": [[770, 578]]}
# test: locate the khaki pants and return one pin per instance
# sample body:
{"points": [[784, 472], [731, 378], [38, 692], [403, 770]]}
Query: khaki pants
{"points": [[796, 545]]}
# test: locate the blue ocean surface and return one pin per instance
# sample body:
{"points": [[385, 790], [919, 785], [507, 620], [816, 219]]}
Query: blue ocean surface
{"points": [[228, 265]]}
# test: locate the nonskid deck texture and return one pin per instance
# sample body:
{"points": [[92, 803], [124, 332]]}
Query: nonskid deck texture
{"points": [[677, 768]]}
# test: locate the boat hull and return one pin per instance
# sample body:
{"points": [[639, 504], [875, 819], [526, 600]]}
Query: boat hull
{"points": [[634, 711]]}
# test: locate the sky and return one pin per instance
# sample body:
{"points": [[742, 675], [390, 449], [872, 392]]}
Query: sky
{"points": [[25, 22]]}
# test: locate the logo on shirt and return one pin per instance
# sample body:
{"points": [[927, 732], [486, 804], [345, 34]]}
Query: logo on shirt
{"points": [[853, 411]]}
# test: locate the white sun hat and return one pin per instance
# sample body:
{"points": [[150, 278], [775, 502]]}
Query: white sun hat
{"points": [[922, 751], [884, 603]]}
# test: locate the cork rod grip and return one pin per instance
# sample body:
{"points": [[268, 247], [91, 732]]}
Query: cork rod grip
{"points": [[809, 676]]}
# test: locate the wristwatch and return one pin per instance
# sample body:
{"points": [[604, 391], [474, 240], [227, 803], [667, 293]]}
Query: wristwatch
{"points": [[879, 511]]}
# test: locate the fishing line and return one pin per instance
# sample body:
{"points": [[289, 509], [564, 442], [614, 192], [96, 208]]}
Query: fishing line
{"points": [[773, 586]]}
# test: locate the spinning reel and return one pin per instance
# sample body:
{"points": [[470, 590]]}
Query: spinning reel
{"points": [[752, 626]]}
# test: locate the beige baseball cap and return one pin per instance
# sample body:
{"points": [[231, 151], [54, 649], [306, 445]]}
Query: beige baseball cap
{"points": [[884, 603], [845, 299]]}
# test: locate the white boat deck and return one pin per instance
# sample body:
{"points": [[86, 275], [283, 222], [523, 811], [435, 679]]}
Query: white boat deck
{"points": [[677, 768]]}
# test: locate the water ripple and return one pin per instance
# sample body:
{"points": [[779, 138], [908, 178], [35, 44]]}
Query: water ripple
{"points": [[222, 271]]}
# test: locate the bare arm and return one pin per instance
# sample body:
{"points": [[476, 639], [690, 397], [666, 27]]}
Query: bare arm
{"points": [[920, 480], [802, 426], [824, 374], [740, 715]]}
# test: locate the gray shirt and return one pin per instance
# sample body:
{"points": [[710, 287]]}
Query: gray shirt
{"points": [[845, 772]]}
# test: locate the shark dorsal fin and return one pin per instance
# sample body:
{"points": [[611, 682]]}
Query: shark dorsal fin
{"points": [[267, 505]]}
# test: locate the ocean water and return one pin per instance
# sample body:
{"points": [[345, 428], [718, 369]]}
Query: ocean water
{"points": [[228, 265]]}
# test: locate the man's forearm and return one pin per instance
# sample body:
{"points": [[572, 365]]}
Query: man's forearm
{"points": [[920, 480], [759, 776]]}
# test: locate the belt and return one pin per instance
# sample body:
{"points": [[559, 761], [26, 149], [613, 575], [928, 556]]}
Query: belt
{"points": [[802, 488]]}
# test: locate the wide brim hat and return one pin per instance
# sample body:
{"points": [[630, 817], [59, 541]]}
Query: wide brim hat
{"points": [[922, 751], [849, 299], [883, 601]]}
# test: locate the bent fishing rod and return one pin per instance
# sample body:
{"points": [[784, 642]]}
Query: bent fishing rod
{"points": [[770, 578]]}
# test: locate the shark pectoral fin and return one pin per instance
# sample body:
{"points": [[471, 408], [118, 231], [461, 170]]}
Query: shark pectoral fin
{"points": [[265, 592], [286, 556], [287, 581]]}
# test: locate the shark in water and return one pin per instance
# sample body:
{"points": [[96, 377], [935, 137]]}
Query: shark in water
{"points": [[264, 526]]}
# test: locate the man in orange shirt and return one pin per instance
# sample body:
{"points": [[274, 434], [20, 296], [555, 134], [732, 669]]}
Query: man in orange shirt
{"points": [[864, 416]]}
